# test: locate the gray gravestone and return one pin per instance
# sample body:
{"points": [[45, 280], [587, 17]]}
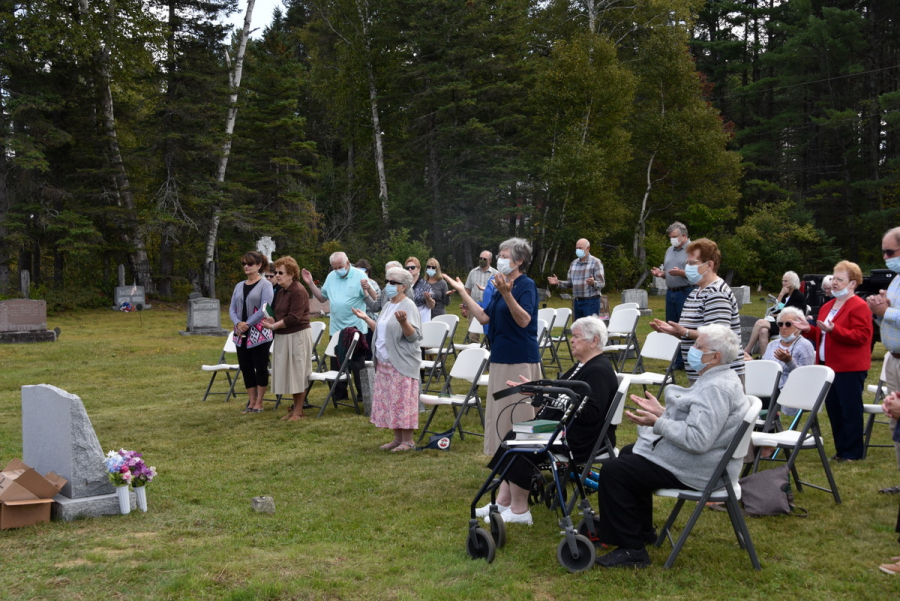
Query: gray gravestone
{"points": [[57, 436], [266, 246], [204, 318], [747, 323], [367, 387], [659, 286], [25, 283], [121, 274], [317, 309], [639, 296], [24, 320], [194, 295], [744, 295], [133, 295]]}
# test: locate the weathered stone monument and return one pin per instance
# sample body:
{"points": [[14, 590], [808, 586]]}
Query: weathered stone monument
{"points": [[204, 318], [266, 246], [57, 436], [25, 283], [23, 321], [121, 273], [133, 295], [659, 287], [639, 296], [317, 309]]}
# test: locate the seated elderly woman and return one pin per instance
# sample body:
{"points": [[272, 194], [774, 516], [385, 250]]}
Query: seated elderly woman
{"points": [[790, 296], [678, 447], [791, 350], [589, 336]]}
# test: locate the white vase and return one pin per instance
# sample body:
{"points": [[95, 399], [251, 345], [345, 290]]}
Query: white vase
{"points": [[124, 499], [141, 493]]}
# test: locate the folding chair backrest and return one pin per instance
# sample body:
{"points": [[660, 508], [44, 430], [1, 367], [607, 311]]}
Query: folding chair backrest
{"points": [[316, 328], [806, 387], [749, 418], [229, 344], [623, 322], [618, 404], [547, 314], [433, 334], [761, 378], [475, 327], [660, 346], [332, 345], [623, 306], [563, 316], [449, 319], [468, 364], [541, 330]]}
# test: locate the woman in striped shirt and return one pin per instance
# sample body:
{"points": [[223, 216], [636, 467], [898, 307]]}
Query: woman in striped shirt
{"points": [[711, 302]]}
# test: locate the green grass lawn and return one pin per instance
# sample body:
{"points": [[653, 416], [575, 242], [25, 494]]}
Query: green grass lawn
{"points": [[354, 522]]}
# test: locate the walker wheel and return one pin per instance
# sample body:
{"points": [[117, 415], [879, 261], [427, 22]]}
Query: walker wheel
{"points": [[586, 554], [480, 545], [498, 529], [583, 530]]}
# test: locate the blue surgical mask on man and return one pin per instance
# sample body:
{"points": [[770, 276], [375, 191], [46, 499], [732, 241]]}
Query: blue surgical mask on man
{"points": [[342, 272], [893, 264], [695, 359], [579, 252]]}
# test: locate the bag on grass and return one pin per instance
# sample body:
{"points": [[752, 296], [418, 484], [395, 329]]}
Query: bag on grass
{"points": [[769, 493], [440, 441]]}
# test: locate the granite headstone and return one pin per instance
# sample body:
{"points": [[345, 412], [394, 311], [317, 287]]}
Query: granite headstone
{"points": [[23, 320], [639, 296], [25, 283], [133, 295], [204, 318]]}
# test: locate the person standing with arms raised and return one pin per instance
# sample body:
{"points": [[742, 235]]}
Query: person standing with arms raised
{"points": [[586, 280]]}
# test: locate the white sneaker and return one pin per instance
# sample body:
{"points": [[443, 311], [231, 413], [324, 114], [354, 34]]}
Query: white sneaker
{"points": [[484, 510], [517, 518]]}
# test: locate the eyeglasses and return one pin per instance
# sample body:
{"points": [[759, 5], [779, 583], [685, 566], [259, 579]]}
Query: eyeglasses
{"points": [[889, 252], [393, 283], [411, 267], [247, 264], [695, 263], [784, 324], [280, 273], [270, 276]]}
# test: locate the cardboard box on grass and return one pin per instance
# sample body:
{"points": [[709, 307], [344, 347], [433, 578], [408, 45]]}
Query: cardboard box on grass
{"points": [[25, 495]]}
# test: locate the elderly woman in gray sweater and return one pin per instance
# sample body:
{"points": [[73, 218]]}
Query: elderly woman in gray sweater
{"points": [[678, 446], [395, 399]]}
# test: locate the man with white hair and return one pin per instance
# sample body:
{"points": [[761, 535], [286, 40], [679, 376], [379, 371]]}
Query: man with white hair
{"points": [[586, 279], [679, 446], [343, 289]]}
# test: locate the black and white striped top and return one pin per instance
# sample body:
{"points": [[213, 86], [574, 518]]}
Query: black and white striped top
{"points": [[713, 304]]}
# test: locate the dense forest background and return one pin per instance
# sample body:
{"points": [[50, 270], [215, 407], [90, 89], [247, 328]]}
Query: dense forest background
{"points": [[440, 127]]}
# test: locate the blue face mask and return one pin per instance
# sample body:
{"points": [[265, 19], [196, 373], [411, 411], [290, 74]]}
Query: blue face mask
{"points": [[789, 338], [390, 290], [695, 359], [431, 272], [840, 293], [342, 272], [893, 264], [579, 252], [692, 273]]}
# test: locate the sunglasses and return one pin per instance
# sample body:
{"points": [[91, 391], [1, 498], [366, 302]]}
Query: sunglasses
{"points": [[431, 266], [784, 324], [411, 267], [270, 276], [393, 283], [247, 264], [889, 252], [280, 273]]}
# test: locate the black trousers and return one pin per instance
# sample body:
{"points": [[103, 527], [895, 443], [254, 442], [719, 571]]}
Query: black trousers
{"points": [[625, 495], [845, 412], [254, 364]]}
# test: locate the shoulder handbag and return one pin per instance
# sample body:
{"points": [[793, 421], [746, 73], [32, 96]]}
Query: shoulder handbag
{"points": [[769, 493]]}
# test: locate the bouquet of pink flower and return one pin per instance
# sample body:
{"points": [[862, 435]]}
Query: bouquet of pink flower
{"points": [[128, 467]]}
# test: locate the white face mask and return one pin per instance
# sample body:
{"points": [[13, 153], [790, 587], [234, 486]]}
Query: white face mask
{"points": [[503, 266], [673, 241]]}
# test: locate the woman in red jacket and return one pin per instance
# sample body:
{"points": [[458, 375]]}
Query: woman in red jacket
{"points": [[843, 340]]}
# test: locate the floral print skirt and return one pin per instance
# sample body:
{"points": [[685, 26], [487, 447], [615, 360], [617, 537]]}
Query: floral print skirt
{"points": [[395, 400]]}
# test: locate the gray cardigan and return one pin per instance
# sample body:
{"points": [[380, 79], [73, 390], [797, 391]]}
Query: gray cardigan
{"points": [[697, 426], [261, 293], [404, 351]]}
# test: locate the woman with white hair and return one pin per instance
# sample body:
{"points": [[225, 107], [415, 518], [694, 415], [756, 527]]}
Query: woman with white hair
{"points": [[395, 398], [512, 315], [790, 349], [678, 446], [790, 296], [589, 336]]}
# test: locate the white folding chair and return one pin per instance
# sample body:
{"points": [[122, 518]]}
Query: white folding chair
{"points": [[623, 306], [332, 377], [761, 380], [657, 346], [468, 366], [452, 321], [623, 327], [316, 329], [542, 333], [873, 410], [563, 315], [434, 335], [720, 489], [221, 367], [805, 389], [475, 327], [548, 315]]}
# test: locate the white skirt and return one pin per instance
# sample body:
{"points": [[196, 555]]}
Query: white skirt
{"points": [[291, 362]]}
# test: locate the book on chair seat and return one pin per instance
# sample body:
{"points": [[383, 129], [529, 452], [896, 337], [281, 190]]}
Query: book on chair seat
{"points": [[535, 426]]}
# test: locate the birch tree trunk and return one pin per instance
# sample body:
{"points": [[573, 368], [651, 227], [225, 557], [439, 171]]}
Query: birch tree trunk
{"points": [[4, 207], [639, 250], [235, 82]]}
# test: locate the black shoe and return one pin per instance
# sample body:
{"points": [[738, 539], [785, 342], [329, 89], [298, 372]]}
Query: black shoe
{"points": [[307, 406], [624, 558]]}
